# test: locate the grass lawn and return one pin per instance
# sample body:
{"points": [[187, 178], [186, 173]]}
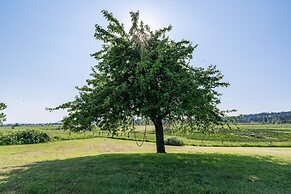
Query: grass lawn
{"points": [[101, 165]]}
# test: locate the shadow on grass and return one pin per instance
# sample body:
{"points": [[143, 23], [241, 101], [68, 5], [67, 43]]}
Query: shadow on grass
{"points": [[151, 173]]}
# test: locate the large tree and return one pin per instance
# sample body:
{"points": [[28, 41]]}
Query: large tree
{"points": [[144, 73], [2, 115]]}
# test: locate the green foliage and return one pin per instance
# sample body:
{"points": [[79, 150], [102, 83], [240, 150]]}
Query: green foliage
{"points": [[2, 115], [24, 137], [265, 118], [144, 73], [174, 141]]}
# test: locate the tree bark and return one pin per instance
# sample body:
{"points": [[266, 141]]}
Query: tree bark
{"points": [[160, 144]]}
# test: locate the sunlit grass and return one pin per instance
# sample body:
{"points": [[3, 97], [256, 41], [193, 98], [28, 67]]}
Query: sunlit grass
{"points": [[80, 166], [151, 173]]}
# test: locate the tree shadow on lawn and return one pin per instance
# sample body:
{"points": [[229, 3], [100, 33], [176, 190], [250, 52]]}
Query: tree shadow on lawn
{"points": [[152, 173]]}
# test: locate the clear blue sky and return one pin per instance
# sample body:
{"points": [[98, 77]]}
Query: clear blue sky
{"points": [[45, 49]]}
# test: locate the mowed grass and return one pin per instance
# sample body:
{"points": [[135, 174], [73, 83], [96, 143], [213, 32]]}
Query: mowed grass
{"points": [[100, 165]]}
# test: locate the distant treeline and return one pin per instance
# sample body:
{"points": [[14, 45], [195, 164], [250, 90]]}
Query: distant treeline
{"points": [[265, 117], [268, 118], [32, 124]]}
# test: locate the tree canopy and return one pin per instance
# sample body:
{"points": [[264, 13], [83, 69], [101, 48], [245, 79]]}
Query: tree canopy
{"points": [[2, 115], [144, 73]]}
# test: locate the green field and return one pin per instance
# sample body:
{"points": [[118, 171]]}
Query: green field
{"points": [[249, 135], [102, 165], [243, 159]]}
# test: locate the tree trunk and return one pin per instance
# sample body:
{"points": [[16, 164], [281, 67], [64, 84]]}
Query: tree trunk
{"points": [[159, 135]]}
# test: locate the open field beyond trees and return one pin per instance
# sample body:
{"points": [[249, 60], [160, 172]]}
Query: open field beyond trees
{"points": [[247, 135]]}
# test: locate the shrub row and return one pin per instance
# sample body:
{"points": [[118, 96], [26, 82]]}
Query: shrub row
{"points": [[29, 136]]}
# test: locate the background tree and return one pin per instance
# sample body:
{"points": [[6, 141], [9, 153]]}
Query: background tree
{"points": [[2, 115], [144, 73]]}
